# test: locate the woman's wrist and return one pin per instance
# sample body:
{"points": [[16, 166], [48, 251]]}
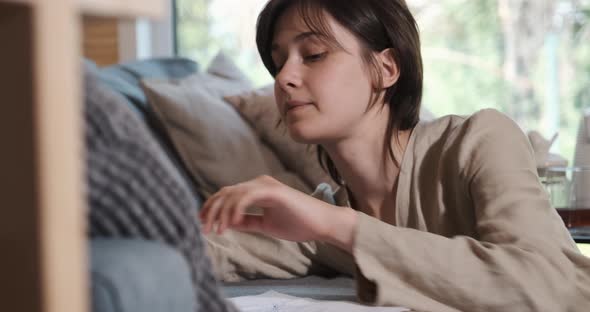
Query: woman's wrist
{"points": [[342, 229]]}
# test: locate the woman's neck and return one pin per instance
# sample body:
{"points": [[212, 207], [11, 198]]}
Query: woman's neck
{"points": [[370, 177]]}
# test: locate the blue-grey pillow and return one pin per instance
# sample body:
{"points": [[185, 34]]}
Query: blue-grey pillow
{"points": [[126, 77]]}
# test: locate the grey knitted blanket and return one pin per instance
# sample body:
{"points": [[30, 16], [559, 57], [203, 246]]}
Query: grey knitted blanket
{"points": [[134, 191]]}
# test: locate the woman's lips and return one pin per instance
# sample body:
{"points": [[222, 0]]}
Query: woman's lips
{"points": [[292, 105]]}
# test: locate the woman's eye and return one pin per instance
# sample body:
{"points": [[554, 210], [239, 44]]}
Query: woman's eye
{"points": [[315, 57], [309, 58]]}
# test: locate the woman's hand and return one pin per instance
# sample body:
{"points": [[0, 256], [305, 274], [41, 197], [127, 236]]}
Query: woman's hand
{"points": [[287, 213]]}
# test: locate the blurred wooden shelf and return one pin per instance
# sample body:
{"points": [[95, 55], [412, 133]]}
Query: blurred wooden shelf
{"points": [[43, 232], [118, 8], [124, 8]]}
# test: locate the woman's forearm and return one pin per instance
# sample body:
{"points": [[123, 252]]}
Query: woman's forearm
{"points": [[341, 231]]}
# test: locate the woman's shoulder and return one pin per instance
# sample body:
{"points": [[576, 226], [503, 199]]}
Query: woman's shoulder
{"points": [[490, 118], [483, 123], [487, 135]]}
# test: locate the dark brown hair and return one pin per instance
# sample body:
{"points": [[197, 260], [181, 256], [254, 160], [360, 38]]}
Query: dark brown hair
{"points": [[378, 25]]}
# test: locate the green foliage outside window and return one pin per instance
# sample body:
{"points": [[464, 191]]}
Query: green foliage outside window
{"points": [[527, 58]]}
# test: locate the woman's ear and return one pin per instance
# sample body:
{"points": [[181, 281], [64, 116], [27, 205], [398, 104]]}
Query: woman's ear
{"points": [[389, 69]]}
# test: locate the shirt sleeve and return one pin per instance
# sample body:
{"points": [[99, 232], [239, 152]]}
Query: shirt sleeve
{"points": [[522, 260]]}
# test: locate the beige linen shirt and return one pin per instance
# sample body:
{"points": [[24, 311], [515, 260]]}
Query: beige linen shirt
{"points": [[474, 231]]}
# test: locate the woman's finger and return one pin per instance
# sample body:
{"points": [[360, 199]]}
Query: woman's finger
{"points": [[233, 207], [212, 213], [226, 213], [246, 200], [206, 205]]}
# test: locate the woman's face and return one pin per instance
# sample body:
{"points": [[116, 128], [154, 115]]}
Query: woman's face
{"points": [[322, 92]]}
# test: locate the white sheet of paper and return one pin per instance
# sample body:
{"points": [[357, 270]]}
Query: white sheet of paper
{"points": [[272, 301]]}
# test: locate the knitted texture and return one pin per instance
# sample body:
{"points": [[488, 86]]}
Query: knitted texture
{"points": [[134, 191]]}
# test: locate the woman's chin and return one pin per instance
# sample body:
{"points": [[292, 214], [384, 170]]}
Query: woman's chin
{"points": [[303, 135]]}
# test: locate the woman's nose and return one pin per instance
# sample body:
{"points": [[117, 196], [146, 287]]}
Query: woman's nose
{"points": [[289, 77]]}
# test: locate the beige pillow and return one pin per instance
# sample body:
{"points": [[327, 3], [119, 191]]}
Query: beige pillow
{"points": [[223, 66], [222, 78], [259, 109], [218, 147]]}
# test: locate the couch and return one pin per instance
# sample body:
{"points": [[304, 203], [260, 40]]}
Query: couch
{"points": [[131, 275]]}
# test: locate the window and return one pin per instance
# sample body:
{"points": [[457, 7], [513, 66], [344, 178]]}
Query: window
{"points": [[204, 27], [527, 58]]}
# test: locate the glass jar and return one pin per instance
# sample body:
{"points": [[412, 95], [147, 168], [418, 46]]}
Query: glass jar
{"points": [[569, 192]]}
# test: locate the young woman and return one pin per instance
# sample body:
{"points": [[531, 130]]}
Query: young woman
{"points": [[447, 215]]}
